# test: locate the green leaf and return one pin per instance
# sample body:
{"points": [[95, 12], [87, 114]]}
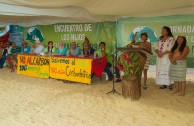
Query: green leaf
{"points": [[135, 58], [136, 64]]}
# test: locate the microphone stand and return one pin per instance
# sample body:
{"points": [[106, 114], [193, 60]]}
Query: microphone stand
{"points": [[113, 91]]}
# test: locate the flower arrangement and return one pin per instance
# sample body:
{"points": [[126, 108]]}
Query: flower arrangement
{"points": [[11, 62], [130, 64]]}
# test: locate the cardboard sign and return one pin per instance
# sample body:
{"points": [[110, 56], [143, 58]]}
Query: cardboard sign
{"points": [[35, 66], [72, 69]]}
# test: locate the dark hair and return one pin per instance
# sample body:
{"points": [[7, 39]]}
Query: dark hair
{"points": [[49, 47], [102, 43], [86, 44], [182, 45], [144, 33], [86, 39], [12, 43], [169, 33]]}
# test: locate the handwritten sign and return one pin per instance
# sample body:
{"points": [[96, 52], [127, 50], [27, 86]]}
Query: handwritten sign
{"points": [[36, 66], [72, 69]]}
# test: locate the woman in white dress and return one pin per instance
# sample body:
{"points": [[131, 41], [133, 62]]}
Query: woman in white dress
{"points": [[162, 49]]}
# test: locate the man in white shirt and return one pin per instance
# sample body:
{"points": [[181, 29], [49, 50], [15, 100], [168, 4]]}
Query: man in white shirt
{"points": [[39, 48]]}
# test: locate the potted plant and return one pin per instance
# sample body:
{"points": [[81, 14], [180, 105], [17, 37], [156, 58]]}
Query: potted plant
{"points": [[130, 64]]}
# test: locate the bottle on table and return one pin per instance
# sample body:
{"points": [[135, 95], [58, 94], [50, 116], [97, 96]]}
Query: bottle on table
{"points": [[67, 54]]}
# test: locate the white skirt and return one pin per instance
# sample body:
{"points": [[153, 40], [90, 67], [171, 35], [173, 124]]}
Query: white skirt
{"points": [[163, 71]]}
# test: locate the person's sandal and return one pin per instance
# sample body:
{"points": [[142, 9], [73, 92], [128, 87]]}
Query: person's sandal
{"points": [[118, 80], [163, 87], [145, 87], [170, 87]]}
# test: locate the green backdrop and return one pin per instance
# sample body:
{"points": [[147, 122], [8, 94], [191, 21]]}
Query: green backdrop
{"points": [[69, 32], [182, 24], [120, 31]]}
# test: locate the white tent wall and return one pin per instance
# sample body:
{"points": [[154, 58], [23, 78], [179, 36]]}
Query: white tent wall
{"points": [[28, 21], [31, 12], [26, 16]]}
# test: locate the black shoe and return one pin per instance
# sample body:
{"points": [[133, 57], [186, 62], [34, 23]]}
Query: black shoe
{"points": [[145, 87], [118, 80], [110, 79], [170, 87], [92, 76], [163, 87]]}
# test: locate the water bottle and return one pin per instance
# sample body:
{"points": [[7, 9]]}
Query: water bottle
{"points": [[67, 53], [94, 55], [106, 76], [49, 54], [82, 54], [121, 73]]}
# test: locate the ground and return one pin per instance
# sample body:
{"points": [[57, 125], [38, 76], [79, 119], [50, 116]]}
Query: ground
{"points": [[29, 101]]}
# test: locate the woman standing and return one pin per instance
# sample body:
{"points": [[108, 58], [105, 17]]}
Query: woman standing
{"points": [[162, 49], [147, 45], [178, 66]]}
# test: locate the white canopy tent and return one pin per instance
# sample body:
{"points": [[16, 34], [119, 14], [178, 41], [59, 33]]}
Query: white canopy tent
{"points": [[33, 12]]}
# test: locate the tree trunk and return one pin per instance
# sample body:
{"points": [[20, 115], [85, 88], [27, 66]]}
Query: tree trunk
{"points": [[131, 88]]}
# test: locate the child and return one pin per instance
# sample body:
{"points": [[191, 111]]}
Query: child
{"points": [[143, 44], [147, 45], [178, 66]]}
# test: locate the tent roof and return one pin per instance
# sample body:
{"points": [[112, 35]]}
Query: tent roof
{"points": [[31, 12]]}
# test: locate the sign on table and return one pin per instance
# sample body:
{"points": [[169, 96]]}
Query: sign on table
{"points": [[72, 69], [36, 66]]}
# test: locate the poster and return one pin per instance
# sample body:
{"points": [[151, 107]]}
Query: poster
{"points": [[72, 69], [35, 66], [16, 34]]}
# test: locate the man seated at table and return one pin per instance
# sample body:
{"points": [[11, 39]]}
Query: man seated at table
{"points": [[104, 52], [61, 49], [39, 48], [74, 50], [15, 49], [25, 47]]}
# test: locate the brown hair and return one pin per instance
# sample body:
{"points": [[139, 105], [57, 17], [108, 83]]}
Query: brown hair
{"points": [[49, 47]]}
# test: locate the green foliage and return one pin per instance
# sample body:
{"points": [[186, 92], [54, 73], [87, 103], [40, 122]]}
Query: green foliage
{"points": [[130, 64]]}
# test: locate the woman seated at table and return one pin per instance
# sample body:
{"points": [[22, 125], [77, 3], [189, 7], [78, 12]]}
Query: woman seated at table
{"points": [[11, 61], [61, 49], [89, 44], [50, 49], [87, 51], [25, 48]]}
